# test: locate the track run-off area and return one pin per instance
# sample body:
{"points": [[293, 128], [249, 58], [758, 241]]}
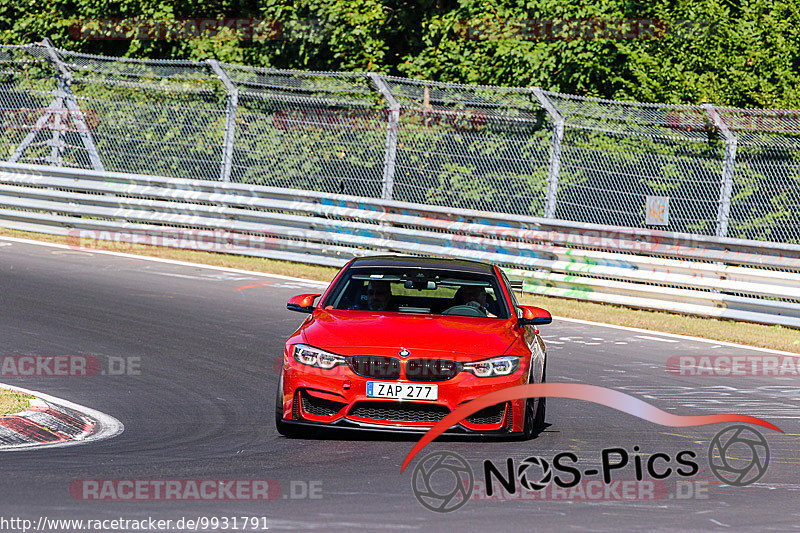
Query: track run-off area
{"points": [[186, 359]]}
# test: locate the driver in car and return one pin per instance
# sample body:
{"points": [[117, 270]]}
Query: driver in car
{"points": [[379, 296], [473, 296]]}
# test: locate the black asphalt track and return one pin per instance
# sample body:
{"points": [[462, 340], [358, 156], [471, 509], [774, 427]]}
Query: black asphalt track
{"points": [[199, 405]]}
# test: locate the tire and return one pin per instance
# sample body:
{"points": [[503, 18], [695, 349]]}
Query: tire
{"points": [[534, 421], [283, 428], [541, 411]]}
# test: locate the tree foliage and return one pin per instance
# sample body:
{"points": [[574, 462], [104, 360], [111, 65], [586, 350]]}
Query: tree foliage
{"points": [[744, 53]]}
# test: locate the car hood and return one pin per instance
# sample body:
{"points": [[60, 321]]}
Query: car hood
{"points": [[366, 332]]}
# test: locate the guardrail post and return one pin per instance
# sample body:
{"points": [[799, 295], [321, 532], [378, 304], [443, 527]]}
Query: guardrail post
{"points": [[393, 124], [65, 95], [230, 119], [728, 168], [555, 152]]}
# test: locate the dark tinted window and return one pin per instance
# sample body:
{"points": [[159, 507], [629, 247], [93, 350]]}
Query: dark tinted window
{"points": [[418, 291]]}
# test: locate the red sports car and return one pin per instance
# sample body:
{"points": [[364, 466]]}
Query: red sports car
{"points": [[396, 343]]}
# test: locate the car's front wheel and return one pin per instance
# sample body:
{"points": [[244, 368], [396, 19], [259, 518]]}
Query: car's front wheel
{"points": [[283, 428], [535, 412]]}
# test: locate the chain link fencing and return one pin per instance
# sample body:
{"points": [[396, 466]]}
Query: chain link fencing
{"points": [[700, 170]]}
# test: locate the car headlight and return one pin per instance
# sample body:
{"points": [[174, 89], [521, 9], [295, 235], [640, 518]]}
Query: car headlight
{"points": [[308, 355], [497, 366]]}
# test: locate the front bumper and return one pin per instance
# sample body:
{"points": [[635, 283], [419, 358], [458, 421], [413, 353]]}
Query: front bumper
{"points": [[337, 398], [349, 425]]}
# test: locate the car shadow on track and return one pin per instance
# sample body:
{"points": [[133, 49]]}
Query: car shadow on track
{"points": [[367, 435]]}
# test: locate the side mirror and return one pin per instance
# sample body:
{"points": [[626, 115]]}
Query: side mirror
{"points": [[533, 316], [304, 303]]}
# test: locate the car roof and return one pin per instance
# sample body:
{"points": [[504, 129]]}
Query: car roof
{"points": [[434, 263]]}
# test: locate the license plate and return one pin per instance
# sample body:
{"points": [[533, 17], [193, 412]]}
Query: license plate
{"points": [[402, 391]]}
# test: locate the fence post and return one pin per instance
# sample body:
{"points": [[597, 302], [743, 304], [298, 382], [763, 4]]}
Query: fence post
{"points": [[728, 168], [55, 105], [555, 152], [64, 94], [390, 158], [230, 119]]}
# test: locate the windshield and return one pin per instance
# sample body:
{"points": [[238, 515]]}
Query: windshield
{"points": [[431, 292]]}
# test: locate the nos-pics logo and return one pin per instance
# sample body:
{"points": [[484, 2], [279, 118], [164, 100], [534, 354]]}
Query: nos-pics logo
{"points": [[443, 481]]}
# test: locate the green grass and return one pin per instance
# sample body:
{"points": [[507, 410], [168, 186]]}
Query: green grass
{"points": [[13, 402], [774, 337]]}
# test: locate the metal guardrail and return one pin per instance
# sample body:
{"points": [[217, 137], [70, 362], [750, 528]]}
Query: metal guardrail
{"points": [[706, 276], [698, 169]]}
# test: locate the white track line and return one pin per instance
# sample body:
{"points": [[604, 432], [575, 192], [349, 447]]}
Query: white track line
{"points": [[160, 260], [109, 426], [676, 336], [278, 276], [649, 338]]}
